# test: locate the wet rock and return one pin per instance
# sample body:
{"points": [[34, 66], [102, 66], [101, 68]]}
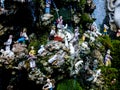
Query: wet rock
{"points": [[3, 31], [90, 6], [76, 19], [46, 19], [97, 54], [45, 64], [37, 75], [49, 70], [8, 55], [1, 26], [19, 48]]}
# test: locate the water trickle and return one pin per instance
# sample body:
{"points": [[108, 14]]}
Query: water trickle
{"points": [[100, 12]]}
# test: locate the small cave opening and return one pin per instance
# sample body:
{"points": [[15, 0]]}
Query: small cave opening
{"points": [[24, 16]]}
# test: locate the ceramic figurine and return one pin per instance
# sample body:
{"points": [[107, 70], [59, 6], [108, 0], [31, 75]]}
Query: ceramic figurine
{"points": [[8, 43]]}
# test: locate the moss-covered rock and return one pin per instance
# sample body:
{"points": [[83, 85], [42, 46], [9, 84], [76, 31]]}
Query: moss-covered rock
{"points": [[69, 84]]}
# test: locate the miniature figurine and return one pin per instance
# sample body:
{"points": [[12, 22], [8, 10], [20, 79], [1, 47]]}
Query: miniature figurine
{"points": [[48, 85], [77, 33], [8, 43], [60, 22], [32, 52], [78, 66], [52, 33], [51, 60], [66, 42], [41, 50], [108, 58], [105, 29], [32, 58], [47, 14], [47, 8], [72, 50], [23, 36], [118, 33]]}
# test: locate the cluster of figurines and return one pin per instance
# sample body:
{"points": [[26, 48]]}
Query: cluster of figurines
{"points": [[63, 47]]}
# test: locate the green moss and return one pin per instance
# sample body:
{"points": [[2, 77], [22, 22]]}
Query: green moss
{"points": [[82, 2], [69, 84], [106, 41], [116, 54], [34, 43], [85, 18], [109, 74]]}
